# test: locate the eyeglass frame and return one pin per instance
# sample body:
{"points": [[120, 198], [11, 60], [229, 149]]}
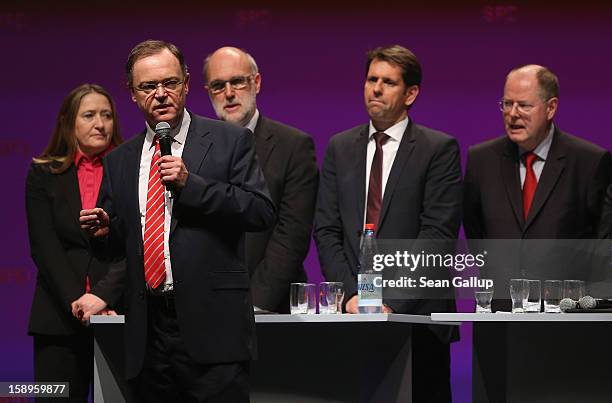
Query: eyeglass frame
{"points": [[520, 108], [164, 84], [247, 80]]}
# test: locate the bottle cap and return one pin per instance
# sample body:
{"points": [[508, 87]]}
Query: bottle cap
{"points": [[370, 227]]}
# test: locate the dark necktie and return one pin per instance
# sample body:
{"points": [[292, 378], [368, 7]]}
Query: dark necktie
{"points": [[529, 187], [375, 184]]}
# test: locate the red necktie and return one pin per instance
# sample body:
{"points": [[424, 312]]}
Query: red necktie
{"points": [[529, 187], [154, 266], [375, 184]]}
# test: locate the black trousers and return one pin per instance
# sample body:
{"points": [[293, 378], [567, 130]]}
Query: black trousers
{"points": [[430, 367], [169, 374], [65, 359]]}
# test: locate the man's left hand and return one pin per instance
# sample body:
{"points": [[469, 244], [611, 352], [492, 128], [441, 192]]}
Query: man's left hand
{"points": [[173, 171]]}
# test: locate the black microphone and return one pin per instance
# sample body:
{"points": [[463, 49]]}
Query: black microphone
{"points": [[162, 130], [588, 302]]}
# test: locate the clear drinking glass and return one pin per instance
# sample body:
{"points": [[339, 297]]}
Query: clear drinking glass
{"points": [[329, 294], [553, 292], [519, 291], [484, 296], [298, 298], [573, 289], [534, 297]]}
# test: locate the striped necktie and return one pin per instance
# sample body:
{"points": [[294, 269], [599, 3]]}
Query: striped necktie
{"points": [[154, 266]]}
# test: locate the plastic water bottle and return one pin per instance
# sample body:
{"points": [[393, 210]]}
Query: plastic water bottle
{"points": [[369, 291]]}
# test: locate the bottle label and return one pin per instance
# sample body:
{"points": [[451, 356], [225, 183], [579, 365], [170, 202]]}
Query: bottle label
{"points": [[366, 287], [368, 293]]}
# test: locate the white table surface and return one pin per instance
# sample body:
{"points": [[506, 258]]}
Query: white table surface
{"points": [[374, 317], [521, 317], [276, 318]]}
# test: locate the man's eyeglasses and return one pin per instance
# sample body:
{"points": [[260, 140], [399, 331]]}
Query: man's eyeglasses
{"points": [[522, 107], [171, 84], [237, 83]]}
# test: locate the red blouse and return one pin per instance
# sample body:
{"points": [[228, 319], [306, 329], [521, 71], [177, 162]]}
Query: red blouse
{"points": [[89, 173]]}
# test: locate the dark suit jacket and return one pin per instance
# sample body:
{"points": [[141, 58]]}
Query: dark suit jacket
{"points": [[275, 257], [605, 225], [59, 249], [225, 195], [567, 205], [422, 199], [568, 199]]}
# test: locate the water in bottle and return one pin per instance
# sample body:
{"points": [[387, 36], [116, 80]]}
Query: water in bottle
{"points": [[369, 281]]}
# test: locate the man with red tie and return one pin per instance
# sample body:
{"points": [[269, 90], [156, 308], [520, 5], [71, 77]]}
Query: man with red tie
{"points": [[533, 187], [536, 182], [406, 180], [189, 325]]}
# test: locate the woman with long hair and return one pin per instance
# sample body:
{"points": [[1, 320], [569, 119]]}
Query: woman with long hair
{"points": [[64, 179]]}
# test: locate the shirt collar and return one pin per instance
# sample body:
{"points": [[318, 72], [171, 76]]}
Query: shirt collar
{"points": [[541, 151], [396, 132], [253, 122], [79, 156], [179, 133]]}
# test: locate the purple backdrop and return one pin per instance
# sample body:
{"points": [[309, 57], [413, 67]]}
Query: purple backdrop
{"points": [[312, 63]]}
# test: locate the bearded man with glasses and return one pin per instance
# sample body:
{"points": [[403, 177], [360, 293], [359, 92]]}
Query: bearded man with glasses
{"points": [[287, 157]]}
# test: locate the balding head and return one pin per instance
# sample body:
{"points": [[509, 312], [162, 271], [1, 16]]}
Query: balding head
{"points": [[230, 54], [233, 82], [548, 82]]}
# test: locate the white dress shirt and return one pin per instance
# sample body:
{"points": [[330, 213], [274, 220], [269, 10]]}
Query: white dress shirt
{"points": [[253, 122], [179, 134], [395, 133]]}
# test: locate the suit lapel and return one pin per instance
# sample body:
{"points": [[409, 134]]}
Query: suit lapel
{"points": [[509, 165], [264, 141], [68, 185], [196, 147], [553, 167], [359, 156], [401, 158], [131, 188]]}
